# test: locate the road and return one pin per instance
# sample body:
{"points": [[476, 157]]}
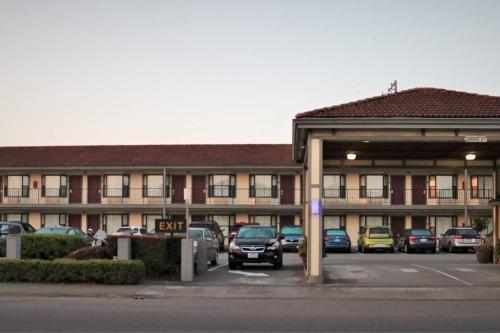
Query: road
{"points": [[371, 292]]}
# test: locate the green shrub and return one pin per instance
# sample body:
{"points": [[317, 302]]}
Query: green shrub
{"points": [[68, 270], [49, 247], [160, 254], [86, 253], [3, 247]]}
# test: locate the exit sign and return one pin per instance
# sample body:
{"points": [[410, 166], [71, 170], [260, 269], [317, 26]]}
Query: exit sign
{"points": [[163, 226]]}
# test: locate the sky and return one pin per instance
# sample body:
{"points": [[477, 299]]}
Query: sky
{"points": [[183, 72]]}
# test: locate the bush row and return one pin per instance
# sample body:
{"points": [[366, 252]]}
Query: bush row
{"points": [[68, 270], [46, 247], [160, 254]]}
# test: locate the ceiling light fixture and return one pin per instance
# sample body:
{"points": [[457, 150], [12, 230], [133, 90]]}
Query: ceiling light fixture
{"points": [[351, 156], [470, 156]]}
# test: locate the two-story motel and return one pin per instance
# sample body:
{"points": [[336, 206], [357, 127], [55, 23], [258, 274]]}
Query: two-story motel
{"points": [[418, 158], [107, 187]]}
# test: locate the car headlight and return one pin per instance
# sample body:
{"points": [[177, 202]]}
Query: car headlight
{"points": [[274, 247], [234, 248]]}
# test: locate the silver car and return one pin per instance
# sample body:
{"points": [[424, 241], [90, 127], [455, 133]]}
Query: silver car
{"points": [[459, 238], [212, 243]]}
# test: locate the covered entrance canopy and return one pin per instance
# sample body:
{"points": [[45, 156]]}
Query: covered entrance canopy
{"points": [[419, 128]]}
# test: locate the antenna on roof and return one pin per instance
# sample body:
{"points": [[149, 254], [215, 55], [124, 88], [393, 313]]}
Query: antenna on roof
{"points": [[393, 88]]}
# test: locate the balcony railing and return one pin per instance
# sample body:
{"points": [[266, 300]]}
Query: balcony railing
{"points": [[125, 196], [247, 196], [407, 197]]}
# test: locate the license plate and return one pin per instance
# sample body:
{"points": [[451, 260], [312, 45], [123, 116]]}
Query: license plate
{"points": [[336, 240], [253, 255], [468, 241], [381, 245], [424, 240]]}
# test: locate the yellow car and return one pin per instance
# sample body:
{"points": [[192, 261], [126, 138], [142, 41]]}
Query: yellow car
{"points": [[376, 238]]}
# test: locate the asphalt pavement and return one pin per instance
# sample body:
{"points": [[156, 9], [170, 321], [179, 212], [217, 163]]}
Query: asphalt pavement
{"points": [[372, 292]]}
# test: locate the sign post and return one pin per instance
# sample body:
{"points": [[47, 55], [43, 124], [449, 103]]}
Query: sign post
{"points": [[187, 199]]}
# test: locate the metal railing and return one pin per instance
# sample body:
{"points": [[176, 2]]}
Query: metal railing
{"points": [[407, 197], [126, 195], [246, 196]]}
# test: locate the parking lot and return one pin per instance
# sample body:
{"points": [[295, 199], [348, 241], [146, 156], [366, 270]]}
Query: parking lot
{"points": [[365, 270]]}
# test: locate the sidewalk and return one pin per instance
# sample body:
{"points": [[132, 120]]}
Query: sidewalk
{"points": [[168, 290]]}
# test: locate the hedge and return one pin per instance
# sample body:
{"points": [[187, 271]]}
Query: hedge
{"points": [[160, 254], [68, 270], [48, 247]]}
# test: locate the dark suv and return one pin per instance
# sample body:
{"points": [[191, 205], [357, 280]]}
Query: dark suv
{"points": [[256, 244], [214, 229]]}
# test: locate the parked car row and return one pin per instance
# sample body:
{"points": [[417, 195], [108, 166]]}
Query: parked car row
{"points": [[381, 238]]}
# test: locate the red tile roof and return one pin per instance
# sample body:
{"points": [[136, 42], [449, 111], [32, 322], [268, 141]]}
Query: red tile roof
{"points": [[415, 103], [148, 155]]}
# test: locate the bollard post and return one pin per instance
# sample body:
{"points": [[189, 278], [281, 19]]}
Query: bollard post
{"points": [[202, 256], [124, 249], [187, 263], [13, 248]]}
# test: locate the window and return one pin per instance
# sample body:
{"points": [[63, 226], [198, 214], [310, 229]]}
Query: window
{"points": [[265, 220], [222, 186], [334, 222], [17, 186], [117, 186], [373, 221], [334, 186], [373, 186], [152, 186], [440, 224], [21, 217], [113, 222], [263, 186], [443, 186], [53, 220], [54, 186], [481, 187], [224, 221], [148, 221]]}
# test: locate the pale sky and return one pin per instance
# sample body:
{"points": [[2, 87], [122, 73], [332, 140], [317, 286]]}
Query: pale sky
{"points": [[170, 72]]}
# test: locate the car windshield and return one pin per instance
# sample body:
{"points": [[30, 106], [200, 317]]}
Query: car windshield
{"points": [[209, 226], [256, 233], [379, 231], [195, 234], [421, 232], [10, 229], [52, 231], [292, 231], [467, 232], [335, 232]]}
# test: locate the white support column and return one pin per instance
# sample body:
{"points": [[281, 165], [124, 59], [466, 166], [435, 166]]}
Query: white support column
{"points": [[314, 215]]}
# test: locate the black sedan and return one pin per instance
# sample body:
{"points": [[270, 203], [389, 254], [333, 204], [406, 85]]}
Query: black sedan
{"points": [[417, 240]]}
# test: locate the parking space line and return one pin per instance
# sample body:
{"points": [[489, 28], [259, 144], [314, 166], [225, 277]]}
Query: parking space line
{"points": [[216, 267], [359, 253], [445, 274]]}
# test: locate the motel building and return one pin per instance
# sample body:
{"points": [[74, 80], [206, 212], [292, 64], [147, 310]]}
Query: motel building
{"points": [[422, 157]]}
